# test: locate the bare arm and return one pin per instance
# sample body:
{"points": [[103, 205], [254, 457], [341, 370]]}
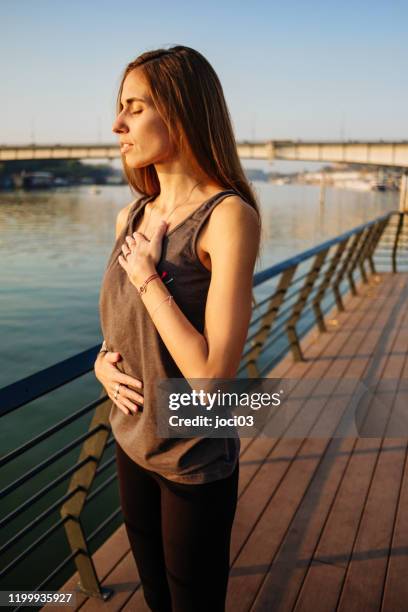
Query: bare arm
{"points": [[217, 352]]}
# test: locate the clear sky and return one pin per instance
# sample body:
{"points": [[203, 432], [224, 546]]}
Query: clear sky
{"points": [[302, 69]]}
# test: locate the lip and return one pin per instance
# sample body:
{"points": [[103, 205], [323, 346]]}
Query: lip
{"points": [[125, 146]]}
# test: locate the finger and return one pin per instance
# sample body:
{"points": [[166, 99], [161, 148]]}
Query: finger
{"points": [[129, 381], [127, 403], [121, 406], [130, 240], [140, 234], [131, 395], [126, 395], [122, 262], [112, 356], [140, 238], [125, 250]]}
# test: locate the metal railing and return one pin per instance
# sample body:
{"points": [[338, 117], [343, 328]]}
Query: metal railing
{"points": [[333, 265], [293, 296]]}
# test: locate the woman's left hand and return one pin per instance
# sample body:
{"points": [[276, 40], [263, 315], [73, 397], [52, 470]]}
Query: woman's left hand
{"points": [[140, 255]]}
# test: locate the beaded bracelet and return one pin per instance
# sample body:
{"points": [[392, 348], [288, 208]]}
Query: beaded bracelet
{"points": [[168, 297]]}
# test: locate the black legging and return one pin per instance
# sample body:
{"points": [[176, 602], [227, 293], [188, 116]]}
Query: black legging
{"points": [[180, 536]]}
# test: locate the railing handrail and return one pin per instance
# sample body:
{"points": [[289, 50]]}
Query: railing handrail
{"points": [[32, 387], [280, 267], [42, 382]]}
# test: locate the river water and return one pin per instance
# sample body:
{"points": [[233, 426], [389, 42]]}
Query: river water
{"points": [[54, 247]]}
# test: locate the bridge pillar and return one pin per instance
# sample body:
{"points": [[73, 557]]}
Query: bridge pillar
{"points": [[403, 203]]}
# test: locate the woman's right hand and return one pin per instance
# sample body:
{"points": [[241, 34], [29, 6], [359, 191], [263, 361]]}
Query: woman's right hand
{"points": [[109, 376]]}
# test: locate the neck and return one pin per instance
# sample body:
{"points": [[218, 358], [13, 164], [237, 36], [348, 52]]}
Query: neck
{"points": [[177, 180]]}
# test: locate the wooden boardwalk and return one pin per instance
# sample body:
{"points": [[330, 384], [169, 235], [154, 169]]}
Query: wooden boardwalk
{"points": [[321, 523]]}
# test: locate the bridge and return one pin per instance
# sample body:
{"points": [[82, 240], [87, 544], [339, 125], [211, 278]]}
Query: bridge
{"points": [[378, 153]]}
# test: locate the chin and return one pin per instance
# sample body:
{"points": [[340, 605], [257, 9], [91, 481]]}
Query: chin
{"points": [[134, 163]]}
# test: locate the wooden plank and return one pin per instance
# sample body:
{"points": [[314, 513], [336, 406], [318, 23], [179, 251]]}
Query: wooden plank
{"points": [[290, 565], [318, 348], [395, 595], [363, 586], [265, 537], [285, 576], [261, 448], [365, 576], [314, 339], [124, 580], [105, 560], [340, 530]]}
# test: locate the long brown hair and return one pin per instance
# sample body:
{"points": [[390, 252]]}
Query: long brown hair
{"points": [[189, 98]]}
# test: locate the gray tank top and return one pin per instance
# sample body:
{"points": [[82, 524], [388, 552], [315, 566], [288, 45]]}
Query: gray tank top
{"points": [[128, 328]]}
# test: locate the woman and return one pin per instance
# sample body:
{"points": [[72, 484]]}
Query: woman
{"points": [[175, 302]]}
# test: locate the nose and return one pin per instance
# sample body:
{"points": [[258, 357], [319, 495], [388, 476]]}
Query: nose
{"points": [[119, 126]]}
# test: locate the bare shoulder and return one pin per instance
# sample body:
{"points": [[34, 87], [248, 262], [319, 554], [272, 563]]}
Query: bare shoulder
{"points": [[235, 214], [122, 217]]}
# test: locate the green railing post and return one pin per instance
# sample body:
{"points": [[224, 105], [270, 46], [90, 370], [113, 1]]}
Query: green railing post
{"points": [[326, 283], [298, 307], [81, 482], [364, 235], [365, 249], [396, 241], [342, 272], [380, 226], [268, 319]]}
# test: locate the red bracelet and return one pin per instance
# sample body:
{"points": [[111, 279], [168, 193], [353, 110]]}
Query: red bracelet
{"points": [[142, 288]]}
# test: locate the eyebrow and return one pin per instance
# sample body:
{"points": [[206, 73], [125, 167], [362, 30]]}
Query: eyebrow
{"points": [[134, 99]]}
